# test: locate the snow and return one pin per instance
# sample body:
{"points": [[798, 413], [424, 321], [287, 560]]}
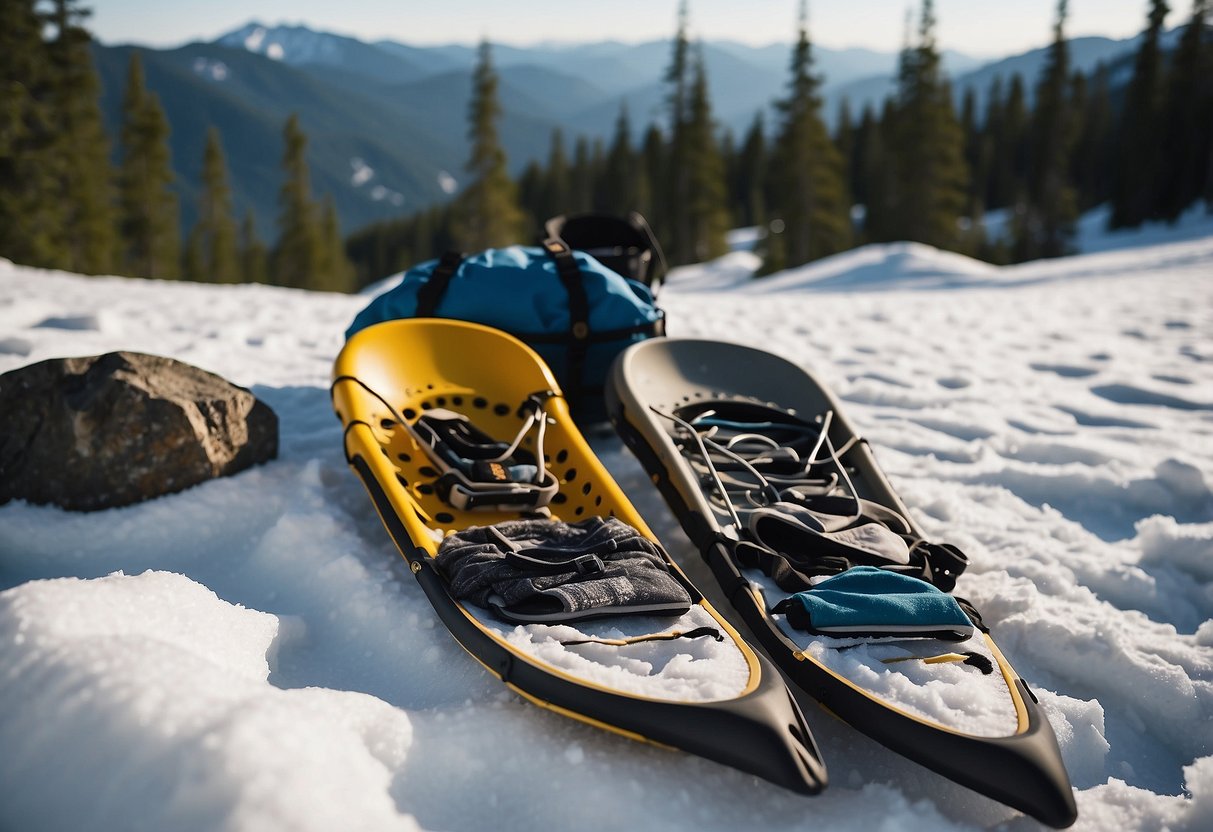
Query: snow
{"points": [[953, 695], [682, 670], [253, 653], [362, 172], [215, 70], [255, 39]]}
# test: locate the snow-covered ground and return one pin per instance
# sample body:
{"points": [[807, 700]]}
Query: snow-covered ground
{"points": [[252, 653]]}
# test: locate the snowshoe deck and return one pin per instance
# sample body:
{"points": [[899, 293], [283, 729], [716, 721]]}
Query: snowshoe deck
{"points": [[688, 681], [993, 738]]}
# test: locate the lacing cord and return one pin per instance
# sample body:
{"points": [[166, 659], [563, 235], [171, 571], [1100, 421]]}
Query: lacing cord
{"points": [[537, 415], [703, 451], [743, 453], [392, 410], [771, 487]]}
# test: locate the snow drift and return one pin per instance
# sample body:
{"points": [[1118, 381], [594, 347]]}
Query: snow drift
{"points": [[252, 653]]}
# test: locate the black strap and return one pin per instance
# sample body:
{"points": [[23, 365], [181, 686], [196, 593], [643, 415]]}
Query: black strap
{"points": [[788, 577], [587, 564], [944, 562], [522, 495], [649, 329], [579, 308], [934, 563], [972, 613], [431, 292]]}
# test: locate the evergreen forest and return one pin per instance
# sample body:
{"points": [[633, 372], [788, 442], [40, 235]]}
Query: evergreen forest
{"points": [[923, 167]]}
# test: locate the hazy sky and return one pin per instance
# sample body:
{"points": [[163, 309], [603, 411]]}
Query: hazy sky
{"points": [[978, 27]]}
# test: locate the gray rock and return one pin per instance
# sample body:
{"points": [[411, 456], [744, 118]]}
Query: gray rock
{"points": [[111, 430]]}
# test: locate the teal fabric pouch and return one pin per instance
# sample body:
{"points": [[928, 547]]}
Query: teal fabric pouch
{"points": [[865, 601]]}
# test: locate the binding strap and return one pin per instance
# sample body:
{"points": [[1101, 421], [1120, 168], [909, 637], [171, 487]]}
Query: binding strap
{"points": [[479, 472], [793, 572], [432, 291]]}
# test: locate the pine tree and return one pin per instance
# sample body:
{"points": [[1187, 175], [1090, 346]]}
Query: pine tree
{"points": [[750, 187], [211, 254], [598, 156], [706, 209], [254, 259], [676, 185], [1044, 221], [558, 180], [84, 175], [620, 180], [976, 157], [531, 192], [860, 148], [929, 170], [654, 199], [1007, 127], [421, 245], [487, 212], [1187, 130], [31, 212], [1135, 192], [1092, 163], [337, 273], [844, 138], [297, 259], [581, 177], [148, 207], [810, 194], [879, 177]]}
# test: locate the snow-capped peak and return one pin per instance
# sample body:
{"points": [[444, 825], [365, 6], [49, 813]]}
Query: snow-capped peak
{"points": [[291, 44]]}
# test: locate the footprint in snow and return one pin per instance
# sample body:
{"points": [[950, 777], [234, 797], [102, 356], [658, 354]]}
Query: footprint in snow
{"points": [[1129, 394], [1054, 453], [957, 430], [1091, 420], [15, 346], [1065, 370], [75, 323], [882, 379]]}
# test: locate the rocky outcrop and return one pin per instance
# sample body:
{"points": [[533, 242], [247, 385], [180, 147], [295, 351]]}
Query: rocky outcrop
{"points": [[111, 430]]}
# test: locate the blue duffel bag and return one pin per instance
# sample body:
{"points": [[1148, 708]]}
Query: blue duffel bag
{"points": [[572, 310]]}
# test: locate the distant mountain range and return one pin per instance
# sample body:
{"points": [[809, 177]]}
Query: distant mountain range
{"points": [[387, 122]]}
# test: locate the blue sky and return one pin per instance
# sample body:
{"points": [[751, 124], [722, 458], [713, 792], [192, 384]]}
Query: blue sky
{"points": [[978, 27]]}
